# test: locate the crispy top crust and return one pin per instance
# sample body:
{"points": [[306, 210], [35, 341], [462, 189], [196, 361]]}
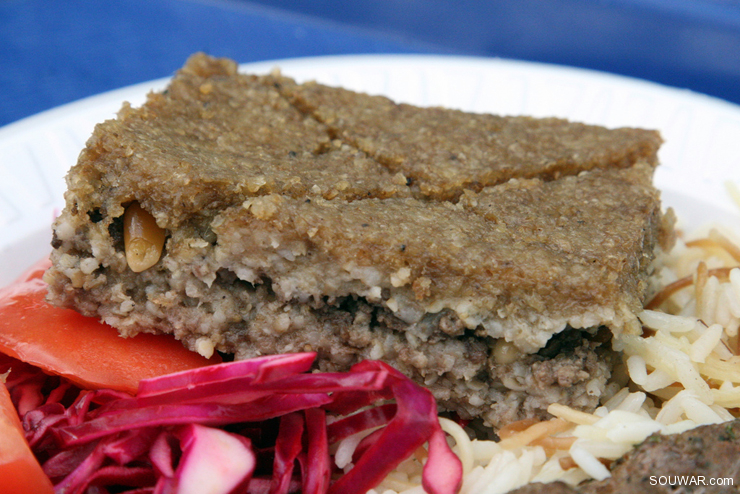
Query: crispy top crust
{"points": [[216, 137], [446, 151], [212, 139]]}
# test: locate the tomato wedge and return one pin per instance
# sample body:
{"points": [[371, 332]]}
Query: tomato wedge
{"points": [[87, 352], [19, 470]]}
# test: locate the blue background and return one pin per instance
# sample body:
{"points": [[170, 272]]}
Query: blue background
{"points": [[54, 52]]}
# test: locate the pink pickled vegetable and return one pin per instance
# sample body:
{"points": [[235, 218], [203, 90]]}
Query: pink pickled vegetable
{"points": [[201, 413], [239, 427], [131, 445], [287, 448], [317, 470], [161, 455], [237, 391], [443, 470], [213, 461], [260, 369], [360, 421], [406, 432]]}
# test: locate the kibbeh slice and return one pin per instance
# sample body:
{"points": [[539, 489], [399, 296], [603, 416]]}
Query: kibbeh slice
{"points": [[482, 263]]}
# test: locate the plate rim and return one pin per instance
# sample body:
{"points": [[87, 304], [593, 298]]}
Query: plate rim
{"points": [[398, 58]]}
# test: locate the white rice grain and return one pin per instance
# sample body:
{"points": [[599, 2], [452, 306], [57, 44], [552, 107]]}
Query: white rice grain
{"points": [[632, 402], [605, 449], [551, 470], [708, 303], [700, 412], [735, 283], [723, 312], [637, 371], [657, 380], [703, 346], [622, 393], [484, 450], [589, 463], [500, 472], [632, 433], [661, 321], [462, 441], [414, 490], [672, 410], [346, 448], [679, 427]]}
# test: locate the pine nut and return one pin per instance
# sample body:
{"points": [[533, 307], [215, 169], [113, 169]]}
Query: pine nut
{"points": [[505, 352], [143, 240]]}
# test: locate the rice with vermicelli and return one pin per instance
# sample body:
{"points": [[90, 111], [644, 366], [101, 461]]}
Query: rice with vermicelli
{"points": [[682, 372]]}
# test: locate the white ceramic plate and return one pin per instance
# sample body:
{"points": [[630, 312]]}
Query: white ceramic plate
{"points": [[701, 152]]}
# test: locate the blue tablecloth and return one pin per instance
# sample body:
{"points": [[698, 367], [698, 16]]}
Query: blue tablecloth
{"points": [[54, 52]]}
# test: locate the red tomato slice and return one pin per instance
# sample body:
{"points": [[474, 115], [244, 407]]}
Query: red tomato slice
{"points": [[19, 470], [82, 349]]}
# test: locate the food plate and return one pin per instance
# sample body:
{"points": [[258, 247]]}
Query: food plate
{"points": [[700, 156]]}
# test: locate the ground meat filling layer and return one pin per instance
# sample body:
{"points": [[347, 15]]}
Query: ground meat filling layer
{"points": [[471, 375]]}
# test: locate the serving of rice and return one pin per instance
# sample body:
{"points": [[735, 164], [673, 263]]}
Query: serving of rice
{"points": [[682, 372]]}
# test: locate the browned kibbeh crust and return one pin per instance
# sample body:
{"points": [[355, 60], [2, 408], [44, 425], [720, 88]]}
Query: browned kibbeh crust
{"points": [[478, 254]]}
